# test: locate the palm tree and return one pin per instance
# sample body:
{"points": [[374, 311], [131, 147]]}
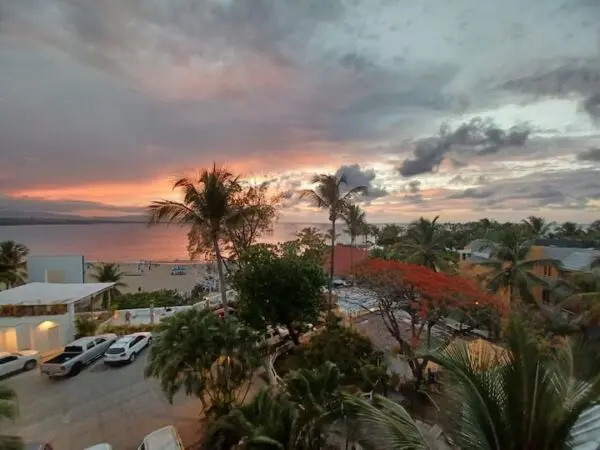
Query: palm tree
{"points": [[13, 263], [511, 270], [356, 223], [267, 422], [424, 243], [109, 273], [317, 394], [331, 193], [538, 227], [522, 398], [8, 410], [207, 207], [569, 230]]}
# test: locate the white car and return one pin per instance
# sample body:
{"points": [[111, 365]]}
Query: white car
{"points": [[127, 348], [14, 362]]}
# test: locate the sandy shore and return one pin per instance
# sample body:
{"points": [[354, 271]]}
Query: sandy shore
{"points": [[156, 276]]}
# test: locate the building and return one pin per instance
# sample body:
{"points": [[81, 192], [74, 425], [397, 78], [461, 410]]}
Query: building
{"points": [[572, 257], [345, 257], [41, 316], [55, 269]]}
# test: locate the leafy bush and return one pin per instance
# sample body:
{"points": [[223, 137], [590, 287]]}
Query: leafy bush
{"points": [[346, 348], [121, 330], [162, 298], [85, 326]]}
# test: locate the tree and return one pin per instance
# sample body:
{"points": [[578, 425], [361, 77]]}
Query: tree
{"points": [[298, 417], [208, 207], [206, 356], [383, 423], [279, 286], [569, 230], [13, 263], [267, 422], [538, 227], [511, 270], [424, 244], [258, 213], [317, 394], [425, 296], [311, 240], [332, 194], [109, 273], [349, 350], [8, 410], [389, 234], [522, 398], [356, 223]]}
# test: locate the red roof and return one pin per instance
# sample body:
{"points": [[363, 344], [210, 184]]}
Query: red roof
{"points": [[344, 255]]}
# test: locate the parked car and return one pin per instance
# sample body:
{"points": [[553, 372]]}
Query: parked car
{"points": [[77, 355], [103, 446], [14, 362], [275, 335], [165, 438], [127, 348]]}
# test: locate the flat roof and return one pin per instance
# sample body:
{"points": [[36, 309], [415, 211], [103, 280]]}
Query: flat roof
{"points": [[51, 293]]}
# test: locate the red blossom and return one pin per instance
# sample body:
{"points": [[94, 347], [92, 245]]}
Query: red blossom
{"points": [[427, 292]]}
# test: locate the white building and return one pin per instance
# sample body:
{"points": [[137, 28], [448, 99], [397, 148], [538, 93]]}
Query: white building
{"points": [[41, 316]]}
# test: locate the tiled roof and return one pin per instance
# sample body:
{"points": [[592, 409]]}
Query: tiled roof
{"points": [[580, 260], [559, 253]]}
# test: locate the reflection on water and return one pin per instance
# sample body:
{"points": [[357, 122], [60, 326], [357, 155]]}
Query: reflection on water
{"points": [[123, 242]]}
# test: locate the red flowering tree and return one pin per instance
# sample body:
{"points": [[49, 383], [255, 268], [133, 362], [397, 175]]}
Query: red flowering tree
{"points": [[411, 299]]}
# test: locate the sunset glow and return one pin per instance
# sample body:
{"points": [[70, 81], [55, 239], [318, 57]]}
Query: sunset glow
{"points": [[134, 95]]}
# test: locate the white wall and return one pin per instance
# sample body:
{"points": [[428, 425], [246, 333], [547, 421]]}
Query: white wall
{"points": [[30, 336], [72, 268]]}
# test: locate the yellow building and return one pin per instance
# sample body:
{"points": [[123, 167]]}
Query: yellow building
{"points": [[572, 257]]}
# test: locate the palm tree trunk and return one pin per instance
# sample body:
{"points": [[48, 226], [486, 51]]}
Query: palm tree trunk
{"points": [[352, 245], [331, 268], [221, 275]]}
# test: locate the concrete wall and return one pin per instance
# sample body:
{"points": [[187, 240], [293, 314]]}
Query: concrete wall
{"points": [[55, 269], [43, 333]]}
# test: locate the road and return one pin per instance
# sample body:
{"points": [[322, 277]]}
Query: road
{"points": [[102, 404]]}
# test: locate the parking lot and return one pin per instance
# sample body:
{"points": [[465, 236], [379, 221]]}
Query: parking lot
{"points": [[102, 404]]}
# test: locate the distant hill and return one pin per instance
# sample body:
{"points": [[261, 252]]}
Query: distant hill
{"points": [[14, 218]]}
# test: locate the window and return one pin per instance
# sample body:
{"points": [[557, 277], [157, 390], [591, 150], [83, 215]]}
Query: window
{"points": [[99, 341], [546, 296], [135, 341], [90, 346], [547, 271], [8, 359]]}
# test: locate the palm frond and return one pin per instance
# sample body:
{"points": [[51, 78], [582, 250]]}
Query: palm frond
{"points": [[384, 424]]}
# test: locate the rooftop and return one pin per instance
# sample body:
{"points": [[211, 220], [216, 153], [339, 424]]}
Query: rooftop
{"points": [[344, 257], [33, 294]]}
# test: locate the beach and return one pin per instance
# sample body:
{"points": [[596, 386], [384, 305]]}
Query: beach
{"points": [[153, 276]]}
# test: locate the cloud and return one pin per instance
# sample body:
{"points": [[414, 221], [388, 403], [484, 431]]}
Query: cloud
{"points": [[559, 189], [476, 137], [134, 91], [355, 177], [593, 154]]}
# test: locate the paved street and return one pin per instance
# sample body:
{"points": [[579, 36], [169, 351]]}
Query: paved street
{"points": [[101, 404]]}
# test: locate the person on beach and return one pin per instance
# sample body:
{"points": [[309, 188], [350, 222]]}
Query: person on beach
{"points": [[128, 318]]}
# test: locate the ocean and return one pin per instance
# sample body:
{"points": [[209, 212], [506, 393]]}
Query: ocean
{"points": [[126, 241]]}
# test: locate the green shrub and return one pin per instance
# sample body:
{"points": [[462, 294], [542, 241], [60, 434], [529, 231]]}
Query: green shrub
{"points": [[121, 330], [160, 299], [346, 348], [85, 326]]}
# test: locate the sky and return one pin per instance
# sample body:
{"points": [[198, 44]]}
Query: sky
{"points": [[457, 108]]}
